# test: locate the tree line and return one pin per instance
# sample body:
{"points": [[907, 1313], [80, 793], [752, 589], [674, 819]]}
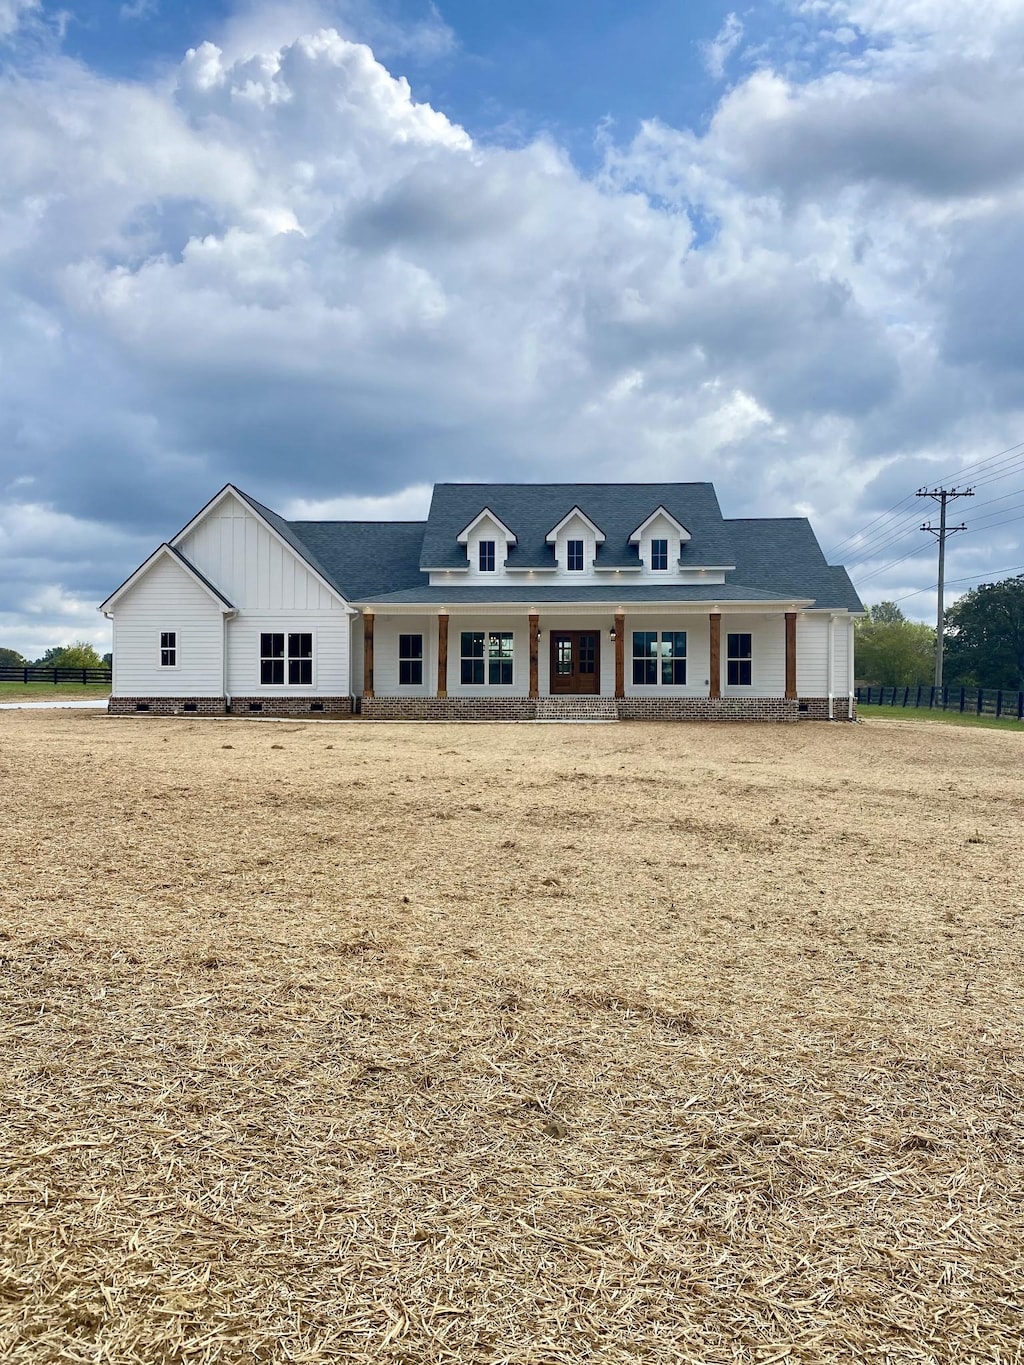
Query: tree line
{"points": [[984, 644], [78, 655]]}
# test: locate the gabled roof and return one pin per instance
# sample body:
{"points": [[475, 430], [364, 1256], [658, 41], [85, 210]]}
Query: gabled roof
{"points": [[782, 555], [463, 536], [577, 511], [531, 509], [167, 551], [684, 534]]}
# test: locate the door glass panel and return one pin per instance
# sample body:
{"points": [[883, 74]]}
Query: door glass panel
{"points": [[563, 657], [587, 653]]}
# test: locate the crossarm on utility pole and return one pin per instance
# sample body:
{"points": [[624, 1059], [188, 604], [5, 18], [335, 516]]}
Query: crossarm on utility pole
{"points": [[942, 532]]}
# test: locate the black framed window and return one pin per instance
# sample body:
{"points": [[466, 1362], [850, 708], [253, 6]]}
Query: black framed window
{"points": [[272, 659], [410, 660], [739, 660], [487, 556], [645, 657], [659, 554], [659, 658], [168, 649], [286, 656], [472, 657], [300, 659], [673, 658], [499, 662], [574, 555]]}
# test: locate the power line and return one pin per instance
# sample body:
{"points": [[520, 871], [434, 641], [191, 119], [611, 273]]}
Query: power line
{"points": [[863, 578], [968, 578]]}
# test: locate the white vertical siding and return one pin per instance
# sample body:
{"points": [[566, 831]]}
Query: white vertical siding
{"points": [[812, 655], [167, 597], [234, 550], [330, 631]]}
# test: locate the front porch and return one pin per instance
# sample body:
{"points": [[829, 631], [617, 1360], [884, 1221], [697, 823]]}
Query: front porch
{"points": [[649, 661]]}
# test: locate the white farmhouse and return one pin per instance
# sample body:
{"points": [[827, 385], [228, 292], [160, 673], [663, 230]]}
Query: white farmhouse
{"points": [[511, 601]]}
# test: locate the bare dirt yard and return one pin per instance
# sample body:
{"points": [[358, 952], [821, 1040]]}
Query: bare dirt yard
{"points": [[522, 1043]]}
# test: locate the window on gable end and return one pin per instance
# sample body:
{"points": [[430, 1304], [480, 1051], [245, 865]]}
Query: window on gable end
{"points": [[168, 649]]}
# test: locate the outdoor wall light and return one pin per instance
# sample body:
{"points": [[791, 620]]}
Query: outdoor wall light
{"points": [[611, 633]]}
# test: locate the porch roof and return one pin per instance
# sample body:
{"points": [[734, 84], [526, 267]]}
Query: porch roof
{"points": [[610, 595]]}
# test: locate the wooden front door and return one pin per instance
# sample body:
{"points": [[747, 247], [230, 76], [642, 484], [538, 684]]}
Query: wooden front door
{"points": [[575, 662]]}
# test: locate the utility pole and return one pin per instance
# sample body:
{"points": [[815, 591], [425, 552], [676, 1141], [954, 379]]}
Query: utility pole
{"points": [[941, 534]]}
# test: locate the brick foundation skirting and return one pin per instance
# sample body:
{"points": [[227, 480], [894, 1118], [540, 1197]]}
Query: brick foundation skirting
{"points": [[167, 706], [448, 708], [775, 709], [816, 708], [240, 706], [291, 706]]}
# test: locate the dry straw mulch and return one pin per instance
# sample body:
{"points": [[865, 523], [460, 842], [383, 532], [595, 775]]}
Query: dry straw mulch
{"points": [[509, 1043]]}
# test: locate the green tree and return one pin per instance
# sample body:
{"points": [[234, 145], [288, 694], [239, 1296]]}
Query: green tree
{"points": [[985, 636], [892, 650], [79, 655], [10, 658]]}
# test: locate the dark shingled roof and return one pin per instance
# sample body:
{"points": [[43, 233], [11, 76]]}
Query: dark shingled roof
{"points": [[530, 510], [782, 555], [383, 561], [610, 593], [365, 558]]}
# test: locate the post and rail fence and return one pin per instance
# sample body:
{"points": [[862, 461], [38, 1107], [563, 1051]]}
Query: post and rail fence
{"points": [[43, 673], [974, 701]]}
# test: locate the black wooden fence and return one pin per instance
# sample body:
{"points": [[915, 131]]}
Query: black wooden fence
{"points": [[39, 673], [975, 701]]}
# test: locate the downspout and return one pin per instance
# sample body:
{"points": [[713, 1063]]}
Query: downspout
{"points": [[227, 615], [831, 665]]}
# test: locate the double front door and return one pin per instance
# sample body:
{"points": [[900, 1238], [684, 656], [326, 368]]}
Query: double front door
{"points": [[575, 662]]}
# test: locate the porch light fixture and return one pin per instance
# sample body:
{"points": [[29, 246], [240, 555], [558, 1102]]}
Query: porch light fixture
{"points": [[611, 633]]}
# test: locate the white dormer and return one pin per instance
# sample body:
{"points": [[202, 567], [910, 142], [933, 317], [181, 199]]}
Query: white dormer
{"points": [[660, 537], [575, 539], [487, 540]]}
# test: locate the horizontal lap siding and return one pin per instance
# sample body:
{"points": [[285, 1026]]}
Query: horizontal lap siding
{"points": [[812, 656], [842, 632], [386, 631], [254, 570], [167, 598], [330, 632], [768, 645], [698, 654]]}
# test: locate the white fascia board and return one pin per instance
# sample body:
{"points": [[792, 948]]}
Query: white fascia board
{"points": [[448, 568], [618, 568], [510, 536], [163, 552], [218, 498], [684, 534], [576, 511]]}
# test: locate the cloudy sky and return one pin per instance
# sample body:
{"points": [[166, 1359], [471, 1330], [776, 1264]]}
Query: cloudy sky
{"points": [[335, 250]]}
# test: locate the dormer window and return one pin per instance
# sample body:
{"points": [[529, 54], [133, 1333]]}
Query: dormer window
{"points": [[574, 556], [487, 556], [659, 554]]}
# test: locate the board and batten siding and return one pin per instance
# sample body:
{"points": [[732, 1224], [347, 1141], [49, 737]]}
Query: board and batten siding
{"points": [[167, 597], [330, 631], [251, 567]]}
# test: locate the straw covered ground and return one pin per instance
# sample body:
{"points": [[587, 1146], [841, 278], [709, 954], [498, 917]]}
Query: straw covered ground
{"points": [[527, 1043]]}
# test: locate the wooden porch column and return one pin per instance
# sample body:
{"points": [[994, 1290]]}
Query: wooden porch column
{"points": [[367, 653], [715, 666], [442, 654], [791, 656], [620, 654], [534, 653]]}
